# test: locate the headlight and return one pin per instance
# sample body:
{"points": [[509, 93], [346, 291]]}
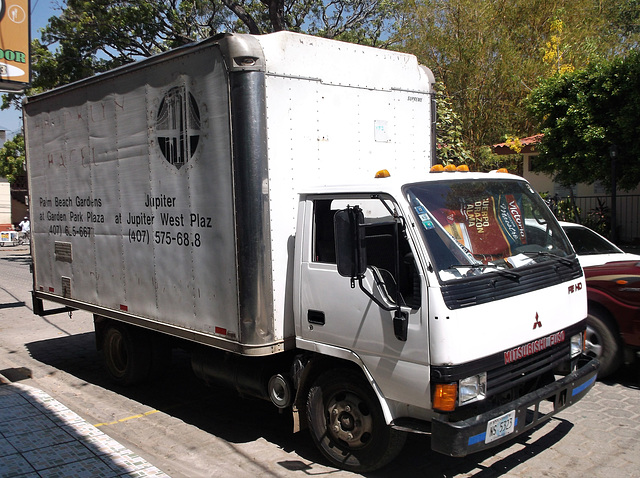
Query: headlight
{"points": [[577, 344], [473, 388]]}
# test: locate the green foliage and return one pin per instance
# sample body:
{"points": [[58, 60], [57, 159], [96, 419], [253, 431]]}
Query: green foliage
{"points": [[491, 54], [92, 36], [487, 160], [563, 208], [567, 211], [451, 148], [582, 114], [103, 34], [599, 219], [12, 158]]}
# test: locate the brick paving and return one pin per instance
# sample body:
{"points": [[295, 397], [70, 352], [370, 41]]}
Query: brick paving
{"points": [[40, 437]]}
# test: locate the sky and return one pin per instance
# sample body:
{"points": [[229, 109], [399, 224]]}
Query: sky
{"points": [[41, 11]]}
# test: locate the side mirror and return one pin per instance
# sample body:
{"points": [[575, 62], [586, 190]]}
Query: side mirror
{"points": [[351, 254], [351, 258]]}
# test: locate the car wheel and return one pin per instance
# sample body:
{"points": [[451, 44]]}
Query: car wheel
{"points": [[603, 342]]}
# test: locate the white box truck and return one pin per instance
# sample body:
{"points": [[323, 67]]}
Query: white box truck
{"points": [[221, 197]]}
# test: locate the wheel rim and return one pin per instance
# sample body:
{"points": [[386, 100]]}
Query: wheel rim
{"points": [[350, 421], [594, 342]]}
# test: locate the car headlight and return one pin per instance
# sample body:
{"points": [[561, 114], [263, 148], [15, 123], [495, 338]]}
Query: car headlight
{"points": [[577, 344], [472, 388]]}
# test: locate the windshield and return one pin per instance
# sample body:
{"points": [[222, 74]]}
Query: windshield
{"points": [[485, 226]]}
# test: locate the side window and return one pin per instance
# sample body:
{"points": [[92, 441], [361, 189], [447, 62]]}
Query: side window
{"points": [[324, 246], [391, 256]]}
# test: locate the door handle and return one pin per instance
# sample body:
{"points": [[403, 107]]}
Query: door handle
{"points": [[315, 317]]}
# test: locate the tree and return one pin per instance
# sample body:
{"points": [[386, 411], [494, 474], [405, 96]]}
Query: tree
{"points": [[89, 37], [12, 158], [583, 114], [491, 54], [554, 51]]}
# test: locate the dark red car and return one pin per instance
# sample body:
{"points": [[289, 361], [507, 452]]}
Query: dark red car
{"points": [[613, 292]]}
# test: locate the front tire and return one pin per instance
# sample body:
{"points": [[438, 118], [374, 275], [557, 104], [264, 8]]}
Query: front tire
{"points": [[603, 342], [347, 423]]}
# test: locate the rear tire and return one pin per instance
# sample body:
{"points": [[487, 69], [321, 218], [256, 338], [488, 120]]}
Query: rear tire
{"points": [[347, 424], [603, 342], [127, 354]]}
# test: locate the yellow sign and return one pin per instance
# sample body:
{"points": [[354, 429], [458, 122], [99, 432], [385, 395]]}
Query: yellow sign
{"points": [[15, 38]]}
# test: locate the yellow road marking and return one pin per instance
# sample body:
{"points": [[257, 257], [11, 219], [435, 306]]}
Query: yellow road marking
{"points": [[141, 415], [151, 412]]}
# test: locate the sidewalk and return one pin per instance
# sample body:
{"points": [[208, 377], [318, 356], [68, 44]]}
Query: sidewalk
{"points": [[40, 437]]}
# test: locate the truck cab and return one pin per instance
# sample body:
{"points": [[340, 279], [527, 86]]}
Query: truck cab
{"points": [[459, 298]]}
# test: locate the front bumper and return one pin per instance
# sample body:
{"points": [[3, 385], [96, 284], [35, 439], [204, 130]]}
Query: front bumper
{"points": [[470, 435]]}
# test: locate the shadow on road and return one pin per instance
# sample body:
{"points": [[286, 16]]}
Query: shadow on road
{"points": [[12, 305], [179, 393], [17, 257], [628, 376], [220, 412]]}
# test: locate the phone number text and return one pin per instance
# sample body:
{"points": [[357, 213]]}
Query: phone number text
{"points": [[167, 238]]}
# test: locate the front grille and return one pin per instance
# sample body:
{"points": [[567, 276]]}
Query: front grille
{"points": [[513, 375], [508, 382]]}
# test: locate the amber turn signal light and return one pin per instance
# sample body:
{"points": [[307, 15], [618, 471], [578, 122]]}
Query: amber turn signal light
{"points": [[445, 397]]}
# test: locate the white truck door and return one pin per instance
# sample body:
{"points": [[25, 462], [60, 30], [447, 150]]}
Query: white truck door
{"points": [[334, 313]]}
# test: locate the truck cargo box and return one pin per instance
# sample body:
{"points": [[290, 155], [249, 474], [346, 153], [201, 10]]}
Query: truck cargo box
{"points": [[164, 192]]}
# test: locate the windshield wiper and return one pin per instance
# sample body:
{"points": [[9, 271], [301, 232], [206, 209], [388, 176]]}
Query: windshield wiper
{"points": [[563, 260], [502, 272]]}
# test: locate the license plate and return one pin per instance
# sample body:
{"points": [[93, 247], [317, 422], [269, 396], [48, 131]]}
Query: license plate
{"points": [[500, 427]]}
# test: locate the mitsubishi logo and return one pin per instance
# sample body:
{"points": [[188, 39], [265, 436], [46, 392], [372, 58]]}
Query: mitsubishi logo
{"points": [[537, 323]]}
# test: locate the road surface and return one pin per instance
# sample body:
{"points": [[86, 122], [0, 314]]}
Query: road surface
{"points": [[187, 429]]}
